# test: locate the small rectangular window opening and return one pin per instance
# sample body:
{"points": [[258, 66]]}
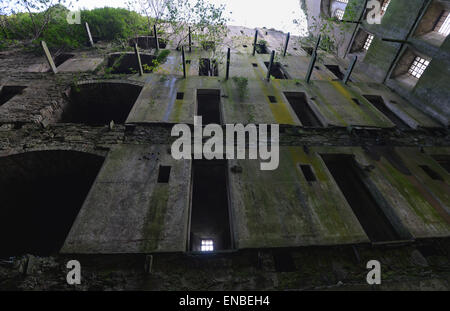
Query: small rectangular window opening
{"points": [[418, 67], [272, 99], [207, 246], [255, 65], [443, 25], [308, 173], [368, 42], [430, 172], [356, 101], [180, 96], [164, 174]]}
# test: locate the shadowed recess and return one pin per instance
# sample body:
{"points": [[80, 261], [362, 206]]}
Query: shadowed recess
{"points": [[100, 103], [41, 194]]}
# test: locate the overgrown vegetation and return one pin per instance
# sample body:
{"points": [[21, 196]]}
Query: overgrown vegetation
{"points": [[241, 84], [51, 26]]}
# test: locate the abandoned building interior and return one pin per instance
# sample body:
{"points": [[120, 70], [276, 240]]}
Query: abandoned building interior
{"points": [[86, 169]]}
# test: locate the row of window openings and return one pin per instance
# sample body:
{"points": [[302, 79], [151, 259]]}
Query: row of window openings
{"points": [[343, 170]]}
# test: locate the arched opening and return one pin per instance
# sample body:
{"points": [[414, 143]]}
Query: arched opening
{"points": [[100, 103], [41, 194]]}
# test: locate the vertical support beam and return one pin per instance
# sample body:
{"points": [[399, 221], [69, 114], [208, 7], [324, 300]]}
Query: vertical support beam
{"points": [[156, 37], [138, 58], [311, 67], [89, 34], [317, 44], [269, 70], [184, 61], [228, 63], [190, 40], [49, 57], [350, 70], [256, 41], [286, 44]]}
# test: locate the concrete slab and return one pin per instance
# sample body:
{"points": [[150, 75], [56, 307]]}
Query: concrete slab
{"points": [[128, 211], [80, 64], [281, 209]]}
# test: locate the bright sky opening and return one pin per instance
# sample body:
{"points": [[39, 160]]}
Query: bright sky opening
{"points": [[248, 13]]}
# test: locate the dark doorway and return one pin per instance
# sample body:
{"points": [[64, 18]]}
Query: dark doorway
{"points": [[9, 92], [210, 220], [208, 106], [378, 102], [41, 194], [277, 70], [300, 105], [100, 103], [336, 71], [444, 161], [348, 177], [62, 58], [208, 68]]}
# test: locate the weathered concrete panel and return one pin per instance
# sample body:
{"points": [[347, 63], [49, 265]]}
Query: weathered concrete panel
{"points": [[128, 211]]}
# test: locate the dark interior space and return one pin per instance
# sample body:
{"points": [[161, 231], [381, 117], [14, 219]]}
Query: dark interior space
{"points": [[277, 70], [261, 49], [148, 42], [61, 58], [348, 177], [8, 92], [126, 63], [308, 173], [164, 174], [283, 261], [378, 102], [301, 108], [430, 172], [336, 71], [208, 106], [210, 211], [208, 68], [41, 194], [100, 103], [443, 160]]}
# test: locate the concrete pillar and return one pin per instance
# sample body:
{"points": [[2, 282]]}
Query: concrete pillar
{"points": [[138, 58], [350, 70], [286, 44], [184, 61], [89, 34], [270, 65], [256, 41], [156, 37], [49, 57], [228, 63]]}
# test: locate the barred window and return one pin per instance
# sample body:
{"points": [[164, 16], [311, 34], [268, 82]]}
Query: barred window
{"points": [[339, 14], [443, 25], [418, 67], [207, 245], [384, 6], [368, 42]]}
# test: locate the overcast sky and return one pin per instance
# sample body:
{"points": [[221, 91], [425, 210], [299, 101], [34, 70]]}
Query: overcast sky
{"points": [[277, 14]]}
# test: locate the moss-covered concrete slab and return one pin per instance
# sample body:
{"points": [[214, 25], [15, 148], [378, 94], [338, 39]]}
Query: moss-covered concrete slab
{"points": [[128, 211], [281, 209]]}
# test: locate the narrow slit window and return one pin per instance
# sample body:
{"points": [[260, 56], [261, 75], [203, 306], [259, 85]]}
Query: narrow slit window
{"points": [[164, 174], [207, 245], [356, 101], [385, 6], [430, 172], [308, 173], [418, 67], [443, 25], [272, 99], [339, 14], [368, 42], [255, 65]]}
